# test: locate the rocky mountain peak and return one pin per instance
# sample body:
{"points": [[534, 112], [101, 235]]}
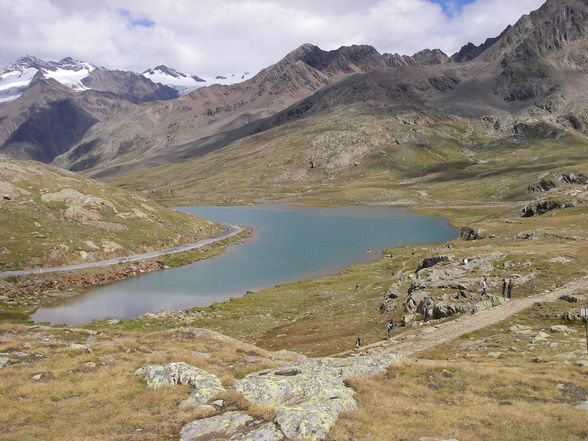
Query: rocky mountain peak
{"points": [[163, 69]]}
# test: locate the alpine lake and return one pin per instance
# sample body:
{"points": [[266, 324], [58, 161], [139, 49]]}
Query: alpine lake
{"points": [[288, 244]]}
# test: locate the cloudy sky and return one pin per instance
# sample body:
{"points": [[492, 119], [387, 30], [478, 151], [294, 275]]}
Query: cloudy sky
{"points": [[209, 37]]}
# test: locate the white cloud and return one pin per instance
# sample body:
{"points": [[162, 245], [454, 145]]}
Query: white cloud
{"points": [[208, 37]]}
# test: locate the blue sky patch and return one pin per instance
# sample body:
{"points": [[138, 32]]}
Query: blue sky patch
{"points": [[452, 7], [134, 20]]}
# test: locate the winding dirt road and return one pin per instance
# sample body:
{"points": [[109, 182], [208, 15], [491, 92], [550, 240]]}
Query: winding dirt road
{"points": [[230, 231]]}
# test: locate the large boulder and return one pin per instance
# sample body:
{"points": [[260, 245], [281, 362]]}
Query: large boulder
{"points": [[9, 191], [428, 262], [206, 385], [469, 233]]}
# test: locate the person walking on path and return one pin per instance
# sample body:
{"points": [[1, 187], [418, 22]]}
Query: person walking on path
{"points": [[389, 327], [358, 343], [503, 287], [484, 286], [509, 289]]}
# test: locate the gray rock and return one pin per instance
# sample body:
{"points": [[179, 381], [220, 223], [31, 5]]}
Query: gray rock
{"points": [[37, 377], [310, 394], [582, 363], [267, 432], [79, 347], [4, 361], [540, 336], [406, 319], [206, 385], [583, 405], [428, 262], [21, 354], [90, 364], [561, 328], [469, 233], [222, 426], [572, 298]]}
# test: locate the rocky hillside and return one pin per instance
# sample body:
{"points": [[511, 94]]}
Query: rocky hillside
{"points": [[532, 71], [51, 217], [212, 117]]}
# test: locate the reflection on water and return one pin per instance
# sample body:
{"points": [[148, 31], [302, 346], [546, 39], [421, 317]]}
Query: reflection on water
{"points": [[289, 244]]}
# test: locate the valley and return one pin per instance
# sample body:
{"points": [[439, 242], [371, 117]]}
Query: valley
{"points": [[492, 139]]}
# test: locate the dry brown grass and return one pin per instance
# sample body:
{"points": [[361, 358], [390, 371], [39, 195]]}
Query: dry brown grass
{"points": [[75, 401], [464, 401]]}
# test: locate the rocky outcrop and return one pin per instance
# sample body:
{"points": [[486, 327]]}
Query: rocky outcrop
{"points": [[310, 394], [469, 233], [307, 394], [541, 207], [80, 208], [9, 192], [542, 186], [234, 426], [205, 385], [574, 178], [428, 262]]}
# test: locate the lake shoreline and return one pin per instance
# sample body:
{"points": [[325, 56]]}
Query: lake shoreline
{"points": [[386, 232]]}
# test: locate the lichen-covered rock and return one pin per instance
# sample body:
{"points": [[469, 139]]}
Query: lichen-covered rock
{"points": [[310, 394], [222, 426], [206, 385], [267, 432], [561, 328]]}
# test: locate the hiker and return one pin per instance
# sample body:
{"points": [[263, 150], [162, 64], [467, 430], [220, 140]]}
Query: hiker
{"points": [[358, 343], [484, 287], [389, 327], [509, 289], [503, 287], [464, 262]]}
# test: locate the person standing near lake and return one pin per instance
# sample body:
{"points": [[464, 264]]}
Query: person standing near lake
{"points": [[503, 286], [484, 287], [509, 289]]}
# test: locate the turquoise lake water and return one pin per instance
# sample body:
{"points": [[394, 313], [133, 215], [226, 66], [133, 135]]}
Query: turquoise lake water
{"points": [[288, 244]]}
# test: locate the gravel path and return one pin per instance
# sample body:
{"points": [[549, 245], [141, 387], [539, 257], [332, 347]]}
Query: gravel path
{"points": [[230, 231], [419, 339]]}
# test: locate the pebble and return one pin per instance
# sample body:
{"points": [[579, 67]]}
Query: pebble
{"points": [[37, 377]]}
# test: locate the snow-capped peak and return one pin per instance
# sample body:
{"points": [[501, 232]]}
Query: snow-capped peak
{"points": [[164, 70], [186, 83], [16, 77]]}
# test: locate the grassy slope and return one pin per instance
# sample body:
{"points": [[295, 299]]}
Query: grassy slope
{"points": [[34, 232], [493, 384], [362, 156], [459, 174]]}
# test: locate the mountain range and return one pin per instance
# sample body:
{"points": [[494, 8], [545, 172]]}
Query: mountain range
{"points": [[533, 71]]}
